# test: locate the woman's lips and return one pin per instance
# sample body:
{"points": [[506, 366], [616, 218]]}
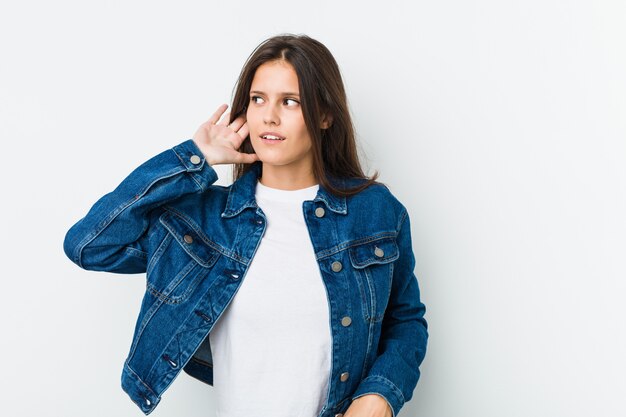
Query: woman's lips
{"points": [[271, 141], [271, 137]]}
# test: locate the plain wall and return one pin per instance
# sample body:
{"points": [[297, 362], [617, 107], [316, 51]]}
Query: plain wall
{"points": [[499, 124]]}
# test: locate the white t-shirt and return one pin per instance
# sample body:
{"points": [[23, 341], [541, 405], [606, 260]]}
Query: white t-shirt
{"points": [[272, 345]]}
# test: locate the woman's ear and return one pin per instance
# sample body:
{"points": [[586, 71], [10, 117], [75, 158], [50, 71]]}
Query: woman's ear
{"points": [[327, 121]]}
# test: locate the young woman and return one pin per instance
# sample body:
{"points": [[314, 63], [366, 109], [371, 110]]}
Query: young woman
{"points": [[292, 290]]}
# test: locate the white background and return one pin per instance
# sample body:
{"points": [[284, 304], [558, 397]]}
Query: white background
{"points": [[499, 124]]}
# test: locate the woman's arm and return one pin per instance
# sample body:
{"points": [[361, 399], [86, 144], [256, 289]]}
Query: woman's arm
{"points": [[402, 346], [112, 236]]}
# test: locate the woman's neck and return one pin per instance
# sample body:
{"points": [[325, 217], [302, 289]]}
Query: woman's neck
{"points": [[284, 177]]}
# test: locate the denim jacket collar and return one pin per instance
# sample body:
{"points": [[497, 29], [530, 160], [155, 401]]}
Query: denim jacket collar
{"points": [[241, 194]]}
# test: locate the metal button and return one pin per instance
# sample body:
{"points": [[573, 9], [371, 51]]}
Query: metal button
{"points": [[234, 275], [336, 266], [339, 415], [345, 322], [319, 212], [188, 239], [195, 159], [344, 376], [379, 252]]}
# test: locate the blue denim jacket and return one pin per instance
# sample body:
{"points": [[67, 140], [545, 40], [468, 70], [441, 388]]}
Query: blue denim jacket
{"points": [[195, 241]]}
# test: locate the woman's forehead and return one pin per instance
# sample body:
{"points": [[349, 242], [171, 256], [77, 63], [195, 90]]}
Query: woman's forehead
{"points": [[275, 78]]}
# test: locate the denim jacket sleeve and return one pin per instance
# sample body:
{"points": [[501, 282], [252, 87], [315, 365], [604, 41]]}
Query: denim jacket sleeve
{"points": [[402, 346], [112, 236]]}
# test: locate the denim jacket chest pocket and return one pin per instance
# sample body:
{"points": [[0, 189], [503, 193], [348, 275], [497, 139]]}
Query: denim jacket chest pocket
{"points": [[373, 266], [182, 260]]}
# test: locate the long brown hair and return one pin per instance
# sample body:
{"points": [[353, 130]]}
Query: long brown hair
{"points": [[321, 92]]}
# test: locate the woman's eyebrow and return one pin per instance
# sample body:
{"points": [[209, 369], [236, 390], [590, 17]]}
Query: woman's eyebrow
{"points": [[280, 94]]}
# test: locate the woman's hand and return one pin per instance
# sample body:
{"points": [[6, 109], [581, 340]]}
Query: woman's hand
{"points": [[369, 405], [219, 141]]}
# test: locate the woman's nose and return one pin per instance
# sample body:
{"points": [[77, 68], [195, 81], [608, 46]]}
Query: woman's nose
{"points": [[271, 115]]}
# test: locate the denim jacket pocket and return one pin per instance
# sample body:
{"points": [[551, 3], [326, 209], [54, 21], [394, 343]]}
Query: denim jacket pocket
{"points": [[373, 264], [183, 258]]}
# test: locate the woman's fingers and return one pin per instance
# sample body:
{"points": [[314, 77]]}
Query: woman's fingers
{"points": [[237, 123], [243, 131], [248, 158], [225, 119], [218, 113]]}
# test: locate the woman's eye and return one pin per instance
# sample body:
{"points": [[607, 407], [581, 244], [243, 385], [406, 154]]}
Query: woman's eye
{"points": [[288, 101]]}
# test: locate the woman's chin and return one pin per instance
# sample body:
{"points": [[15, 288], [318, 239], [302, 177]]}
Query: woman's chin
{"points": [[270, 159]]}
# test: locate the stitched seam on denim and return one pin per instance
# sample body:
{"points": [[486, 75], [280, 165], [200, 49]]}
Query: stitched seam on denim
{"points": [[166, 299], [190, 251], [192, 225], [393, 386], [403, 216], [153, 373], [154, 307], [175, 149], [227, 210], [197, 177], [375, 259], [371, 314], [150, 375], [190, 266], [194, 284], [113, 214], [212, 178], [159, 252], [136, 375], [390, 281], [182, 363], [356, 242], [370, 345], [362, 292], [376, 315], [230, 213], [340, 208], [192, 168], [136, 252], [203, 236], [193, 177]]}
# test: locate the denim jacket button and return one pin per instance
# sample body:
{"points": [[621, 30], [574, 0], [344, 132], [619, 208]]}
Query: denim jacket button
{"points": [[346, 321], [344, 376], [195, 159], [339, 415], [379, 252], [336, 266], [188, 239], [319, 212]]}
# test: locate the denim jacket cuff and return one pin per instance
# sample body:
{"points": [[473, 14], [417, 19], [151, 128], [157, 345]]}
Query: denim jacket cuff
{"points": [[380, 385], [195, 163]]}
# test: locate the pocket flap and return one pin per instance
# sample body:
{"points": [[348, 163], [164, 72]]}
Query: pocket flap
{"points": [[380, 251], [191, 238]]}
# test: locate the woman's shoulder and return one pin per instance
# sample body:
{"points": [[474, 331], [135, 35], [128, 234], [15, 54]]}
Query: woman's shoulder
{"points": [[377, 194]]}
